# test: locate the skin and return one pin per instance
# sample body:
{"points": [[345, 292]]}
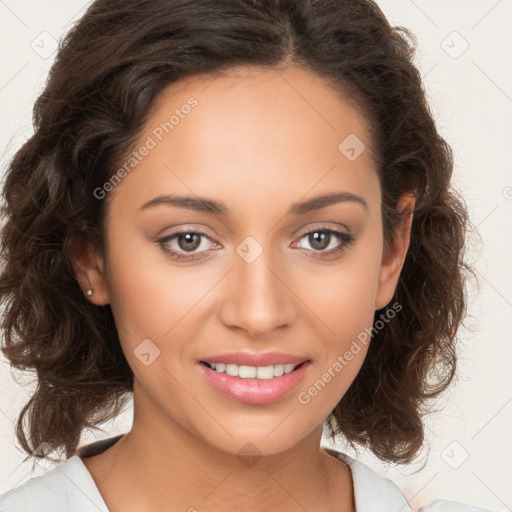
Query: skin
{"points": [[259, 140]]}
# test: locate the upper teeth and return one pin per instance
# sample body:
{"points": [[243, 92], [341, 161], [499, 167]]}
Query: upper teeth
{"points": [[253, 372]]}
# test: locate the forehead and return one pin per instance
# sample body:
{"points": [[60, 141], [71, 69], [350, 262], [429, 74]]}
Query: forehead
{"points": [[293, 100], [257, 131]]}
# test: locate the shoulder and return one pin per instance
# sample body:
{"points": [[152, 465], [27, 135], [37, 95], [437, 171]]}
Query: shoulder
{"points": [[372, 492], [66, 488]]}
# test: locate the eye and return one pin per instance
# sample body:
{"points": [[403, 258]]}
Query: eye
{"points": [[321, 238], [183, 245]]}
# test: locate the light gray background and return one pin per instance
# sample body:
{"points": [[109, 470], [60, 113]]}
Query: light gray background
{"points": [[470, 91]]}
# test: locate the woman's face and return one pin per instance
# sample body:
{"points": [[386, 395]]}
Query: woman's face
{"points": [[261, 267]]}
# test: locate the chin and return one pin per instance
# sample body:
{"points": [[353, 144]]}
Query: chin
{"points": [[269, 438]]}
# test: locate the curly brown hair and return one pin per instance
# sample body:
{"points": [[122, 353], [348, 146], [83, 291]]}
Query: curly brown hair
{"points": [[108, 72]]}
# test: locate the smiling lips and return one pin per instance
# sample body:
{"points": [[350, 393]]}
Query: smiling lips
{"points": [[254, 378]]}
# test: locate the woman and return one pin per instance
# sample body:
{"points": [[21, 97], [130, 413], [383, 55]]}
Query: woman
{"points": [[291, 146]]}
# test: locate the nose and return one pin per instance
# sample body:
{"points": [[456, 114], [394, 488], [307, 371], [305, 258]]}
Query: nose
{"points": [[257, 297]]}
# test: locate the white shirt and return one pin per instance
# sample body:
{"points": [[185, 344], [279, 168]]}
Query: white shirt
{"points": [[70, 487]]}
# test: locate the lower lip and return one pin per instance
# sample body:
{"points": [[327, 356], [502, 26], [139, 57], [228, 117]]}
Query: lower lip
{"points": [[255, 391]]}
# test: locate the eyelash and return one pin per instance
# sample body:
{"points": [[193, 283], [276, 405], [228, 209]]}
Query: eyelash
{"points": [[346, 239]]}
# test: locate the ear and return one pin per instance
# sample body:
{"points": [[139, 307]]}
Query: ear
{"points": [[89, 269], [393, 258]]}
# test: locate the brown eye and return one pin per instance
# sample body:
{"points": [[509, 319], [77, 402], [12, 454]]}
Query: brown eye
{"points": [[189, 241], [183, 245], [320, 239]]}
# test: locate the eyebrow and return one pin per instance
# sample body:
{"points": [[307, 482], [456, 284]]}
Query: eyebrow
{"points": [[203, 204]]}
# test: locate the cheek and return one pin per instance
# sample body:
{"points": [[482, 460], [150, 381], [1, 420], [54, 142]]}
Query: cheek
{"points": [[345, 294], [149, 295], [345, 302]]}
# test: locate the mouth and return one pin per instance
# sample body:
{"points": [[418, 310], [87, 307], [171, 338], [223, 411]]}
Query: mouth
{"points": [[254, 384], [253, 372]]}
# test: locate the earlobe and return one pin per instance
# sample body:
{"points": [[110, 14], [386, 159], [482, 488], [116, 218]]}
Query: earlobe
{"points": [[393, 259], [88, 266]]}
